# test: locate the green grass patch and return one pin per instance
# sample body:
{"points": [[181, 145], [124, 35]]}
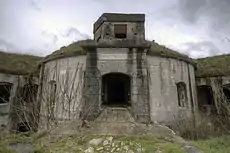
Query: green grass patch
{"points": [[153, 144], [8, 139], [214, 145], [77, 143], [213, 66], [13, 63]]}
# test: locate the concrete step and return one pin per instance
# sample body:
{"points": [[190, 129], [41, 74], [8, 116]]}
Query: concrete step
{"points": [[115, 114], [113, 121]]}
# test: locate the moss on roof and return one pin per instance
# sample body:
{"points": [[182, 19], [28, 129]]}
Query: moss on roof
{"points": [[160, 50], [213, 66], [13, 63], [67, 51], [77, 49]]}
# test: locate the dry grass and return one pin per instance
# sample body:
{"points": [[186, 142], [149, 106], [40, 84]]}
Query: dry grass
{"points": [[202, 127], [70, 50], [155, 49], [213, 66], [214, 145], [13, 63]]}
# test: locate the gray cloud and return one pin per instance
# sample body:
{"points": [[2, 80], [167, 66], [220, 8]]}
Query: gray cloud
{"points": [[201, 49], [191, 9], [50, 36], [46, 25], [212, 17], [34, 5], [217, 10], [215, 13], [75, 34], [8, 46], [13, 48]]}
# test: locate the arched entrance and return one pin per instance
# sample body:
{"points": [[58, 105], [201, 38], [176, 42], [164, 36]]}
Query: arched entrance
{"points": [[116, 89]]}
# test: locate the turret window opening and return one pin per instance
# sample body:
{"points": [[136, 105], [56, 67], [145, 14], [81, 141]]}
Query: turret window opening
{"points": [[120, 31]]}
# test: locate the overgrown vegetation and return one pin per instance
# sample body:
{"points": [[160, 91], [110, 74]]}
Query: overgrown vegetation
{"points": [[77, 143], [203, 126], [214, 145], [76, 49], [18, 63], [157, 49], [213, 66], [8, 139], [70, 50]]}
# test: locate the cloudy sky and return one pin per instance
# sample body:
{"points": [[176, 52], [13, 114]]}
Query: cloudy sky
{"points": [[198, 28]]}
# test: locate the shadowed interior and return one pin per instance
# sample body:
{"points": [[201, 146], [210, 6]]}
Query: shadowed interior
{"points": [[116, 89]]}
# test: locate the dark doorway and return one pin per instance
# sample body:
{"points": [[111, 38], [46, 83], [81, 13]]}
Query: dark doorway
{"points": [[205, 95], [116, 89], [205, 99], [226, 90]]}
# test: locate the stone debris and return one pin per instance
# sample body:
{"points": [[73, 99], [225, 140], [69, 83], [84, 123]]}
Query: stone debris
{"points": [[191, 149], [109, 145], [95, 142], [22, 148], [89, 150]]}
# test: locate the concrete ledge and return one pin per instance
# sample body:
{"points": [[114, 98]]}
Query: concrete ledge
{"points": [[118, 17], [122, 43]]}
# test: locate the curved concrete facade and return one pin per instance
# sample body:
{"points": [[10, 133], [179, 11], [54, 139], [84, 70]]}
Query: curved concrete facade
{"points": [[118, 68], [165, 74], [61, 91], [154, 83], [78, 87]]}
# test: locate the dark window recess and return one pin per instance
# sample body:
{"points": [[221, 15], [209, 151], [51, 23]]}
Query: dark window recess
{"points": [[182, 94], [5, 89], [226, 90], [120, 31], [205, 95], [23, 127]]}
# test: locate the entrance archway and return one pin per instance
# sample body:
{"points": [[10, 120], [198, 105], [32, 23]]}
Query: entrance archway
{"points": [[116, 89]]}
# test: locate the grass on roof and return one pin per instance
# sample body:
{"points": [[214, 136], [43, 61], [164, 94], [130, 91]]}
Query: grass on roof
{"points": [[72, 49], [157, 48], [213, 66], [13, 63], [76, 49]]}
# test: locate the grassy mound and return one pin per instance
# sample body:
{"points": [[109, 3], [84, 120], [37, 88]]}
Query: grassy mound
{"points": [[214, 145], [213, 66], [45, 143], [13, 63]]}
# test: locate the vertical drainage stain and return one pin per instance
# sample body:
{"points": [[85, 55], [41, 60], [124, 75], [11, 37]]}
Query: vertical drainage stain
{"points": [[161, 78]]}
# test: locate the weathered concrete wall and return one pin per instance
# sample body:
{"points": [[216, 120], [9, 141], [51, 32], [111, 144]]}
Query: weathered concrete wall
{"points": [[131, 62], [135, 30], [5, 108], [8, 116], [216, 83], [164, 73], [61, 92]]}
